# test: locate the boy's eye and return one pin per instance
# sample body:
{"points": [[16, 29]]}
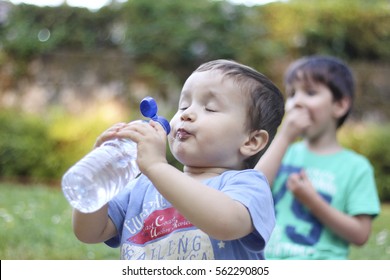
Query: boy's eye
{"points": [[291, 93]]}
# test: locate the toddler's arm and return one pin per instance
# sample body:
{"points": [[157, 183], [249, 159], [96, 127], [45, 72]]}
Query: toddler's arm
{"points": [[210, 210], [93, 227]]}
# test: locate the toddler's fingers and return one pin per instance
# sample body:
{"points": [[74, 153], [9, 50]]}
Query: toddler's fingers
{"points": [[109, 133], [159, 128]]}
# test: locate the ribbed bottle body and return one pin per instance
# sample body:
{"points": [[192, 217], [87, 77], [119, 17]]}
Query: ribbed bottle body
{"points": [[100, 175]]}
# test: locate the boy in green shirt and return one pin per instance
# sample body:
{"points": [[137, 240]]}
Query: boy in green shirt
{"points": [[325, 195]]}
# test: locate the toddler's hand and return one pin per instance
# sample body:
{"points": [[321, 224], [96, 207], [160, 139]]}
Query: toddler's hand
{"points": [[109, 134], [151, 142]]}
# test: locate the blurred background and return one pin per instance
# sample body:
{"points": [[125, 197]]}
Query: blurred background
{"points": [[69, 72]]}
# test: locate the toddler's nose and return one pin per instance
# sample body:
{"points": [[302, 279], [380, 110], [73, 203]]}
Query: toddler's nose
{"points": [[187, 115]]}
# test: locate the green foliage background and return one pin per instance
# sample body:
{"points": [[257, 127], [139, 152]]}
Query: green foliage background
{"points": [[371, 141], [43, 151], [166, 40], [178, 35]]}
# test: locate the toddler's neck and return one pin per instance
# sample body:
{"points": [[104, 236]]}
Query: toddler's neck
{"points": [[201, 173]]}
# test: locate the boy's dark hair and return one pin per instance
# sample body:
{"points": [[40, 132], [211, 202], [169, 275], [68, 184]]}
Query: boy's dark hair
{"points": [[266, 104], [329, 71]]}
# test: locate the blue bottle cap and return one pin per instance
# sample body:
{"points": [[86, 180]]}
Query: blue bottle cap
{"points": [[164, 123], [148, 107]]}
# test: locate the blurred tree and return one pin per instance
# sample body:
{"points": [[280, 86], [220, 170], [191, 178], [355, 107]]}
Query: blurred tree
{"points": [[350, 29], [179, 35], [33, 30]]}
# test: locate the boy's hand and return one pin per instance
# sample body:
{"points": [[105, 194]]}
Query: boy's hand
{"points": [[296, 121], [300, 185]]}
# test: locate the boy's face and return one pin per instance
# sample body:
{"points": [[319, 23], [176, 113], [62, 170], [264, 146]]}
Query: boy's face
{"points": [[210, 124], [317, 101]]}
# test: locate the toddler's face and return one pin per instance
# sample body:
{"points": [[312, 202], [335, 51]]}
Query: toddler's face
{"points": [[210, 124]]}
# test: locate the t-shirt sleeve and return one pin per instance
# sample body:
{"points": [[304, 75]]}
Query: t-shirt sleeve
{"points": [[251, 188], [117, 209], [363, 197]]}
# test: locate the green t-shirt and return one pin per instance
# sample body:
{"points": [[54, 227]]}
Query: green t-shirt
{"points": [[344, 179]]}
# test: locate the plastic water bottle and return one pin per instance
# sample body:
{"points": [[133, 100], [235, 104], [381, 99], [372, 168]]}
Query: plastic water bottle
{"points": [[106, 170]]}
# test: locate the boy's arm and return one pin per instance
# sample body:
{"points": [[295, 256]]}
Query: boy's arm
{"points": [[294, 124], [270, 161], [354, 229], [93, 227]]}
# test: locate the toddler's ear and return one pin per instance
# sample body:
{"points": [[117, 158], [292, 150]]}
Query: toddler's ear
{"points": [[256, 141]]}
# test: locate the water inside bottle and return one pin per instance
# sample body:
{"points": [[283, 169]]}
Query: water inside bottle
{"points": [[99, 176]]}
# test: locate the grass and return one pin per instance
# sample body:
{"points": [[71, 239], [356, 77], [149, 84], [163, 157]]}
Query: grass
{"points": [[35, 223]]}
